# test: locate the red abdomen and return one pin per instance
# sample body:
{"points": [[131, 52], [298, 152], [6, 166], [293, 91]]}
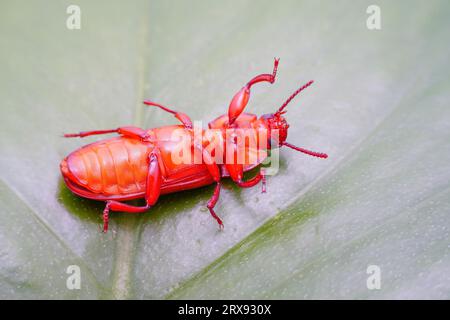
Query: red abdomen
{"points": [[116, 166]]}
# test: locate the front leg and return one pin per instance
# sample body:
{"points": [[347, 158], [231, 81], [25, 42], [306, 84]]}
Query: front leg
{"points": [[236, 172], [236, 169], [152, 192], [240, 99]]}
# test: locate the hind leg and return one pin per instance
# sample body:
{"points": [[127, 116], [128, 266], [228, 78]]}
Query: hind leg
{"points": [[152, 192]]}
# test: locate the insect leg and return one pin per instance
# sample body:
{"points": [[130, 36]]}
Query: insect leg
{"points": [[152, 192], [213, 169], [252, 182], [184, 118], [212, 203], [83, 134], [263, 181], [129, 131], [236, 173], [236, 169], [240, 99]]}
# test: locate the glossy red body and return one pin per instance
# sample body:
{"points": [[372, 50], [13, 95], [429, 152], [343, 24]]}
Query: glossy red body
{"points": [[116, 168], [140, 163]]}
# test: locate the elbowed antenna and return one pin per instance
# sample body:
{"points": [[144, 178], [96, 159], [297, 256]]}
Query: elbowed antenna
{"points": [[308, 152], [280, 110]]}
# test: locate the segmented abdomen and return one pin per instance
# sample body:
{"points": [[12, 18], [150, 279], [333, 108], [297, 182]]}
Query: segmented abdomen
{"points": [[111, 167]]}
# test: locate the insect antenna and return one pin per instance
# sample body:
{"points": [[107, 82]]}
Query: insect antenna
{"points": [[308, 152], [280, 110]]}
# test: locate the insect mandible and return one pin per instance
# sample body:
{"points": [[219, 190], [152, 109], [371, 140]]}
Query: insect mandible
{"points": [[139, 163]]}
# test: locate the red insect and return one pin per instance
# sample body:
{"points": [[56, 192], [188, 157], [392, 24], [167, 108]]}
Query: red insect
{"points": [[139, 163]]}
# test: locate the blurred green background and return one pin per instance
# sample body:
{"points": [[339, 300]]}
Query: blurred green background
{"points": [[379, 108]]}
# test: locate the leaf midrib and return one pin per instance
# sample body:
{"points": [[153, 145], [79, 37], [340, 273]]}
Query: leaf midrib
{"points": [[129, 233]]}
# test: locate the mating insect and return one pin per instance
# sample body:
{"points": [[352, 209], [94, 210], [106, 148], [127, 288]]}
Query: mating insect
{"points": [[140, 163]]}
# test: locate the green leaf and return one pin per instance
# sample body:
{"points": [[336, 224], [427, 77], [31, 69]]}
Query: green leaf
{"points": [[379, 108]]}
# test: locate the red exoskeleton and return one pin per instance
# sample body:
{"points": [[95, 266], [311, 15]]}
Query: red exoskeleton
{"points": [[139, 163]]}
